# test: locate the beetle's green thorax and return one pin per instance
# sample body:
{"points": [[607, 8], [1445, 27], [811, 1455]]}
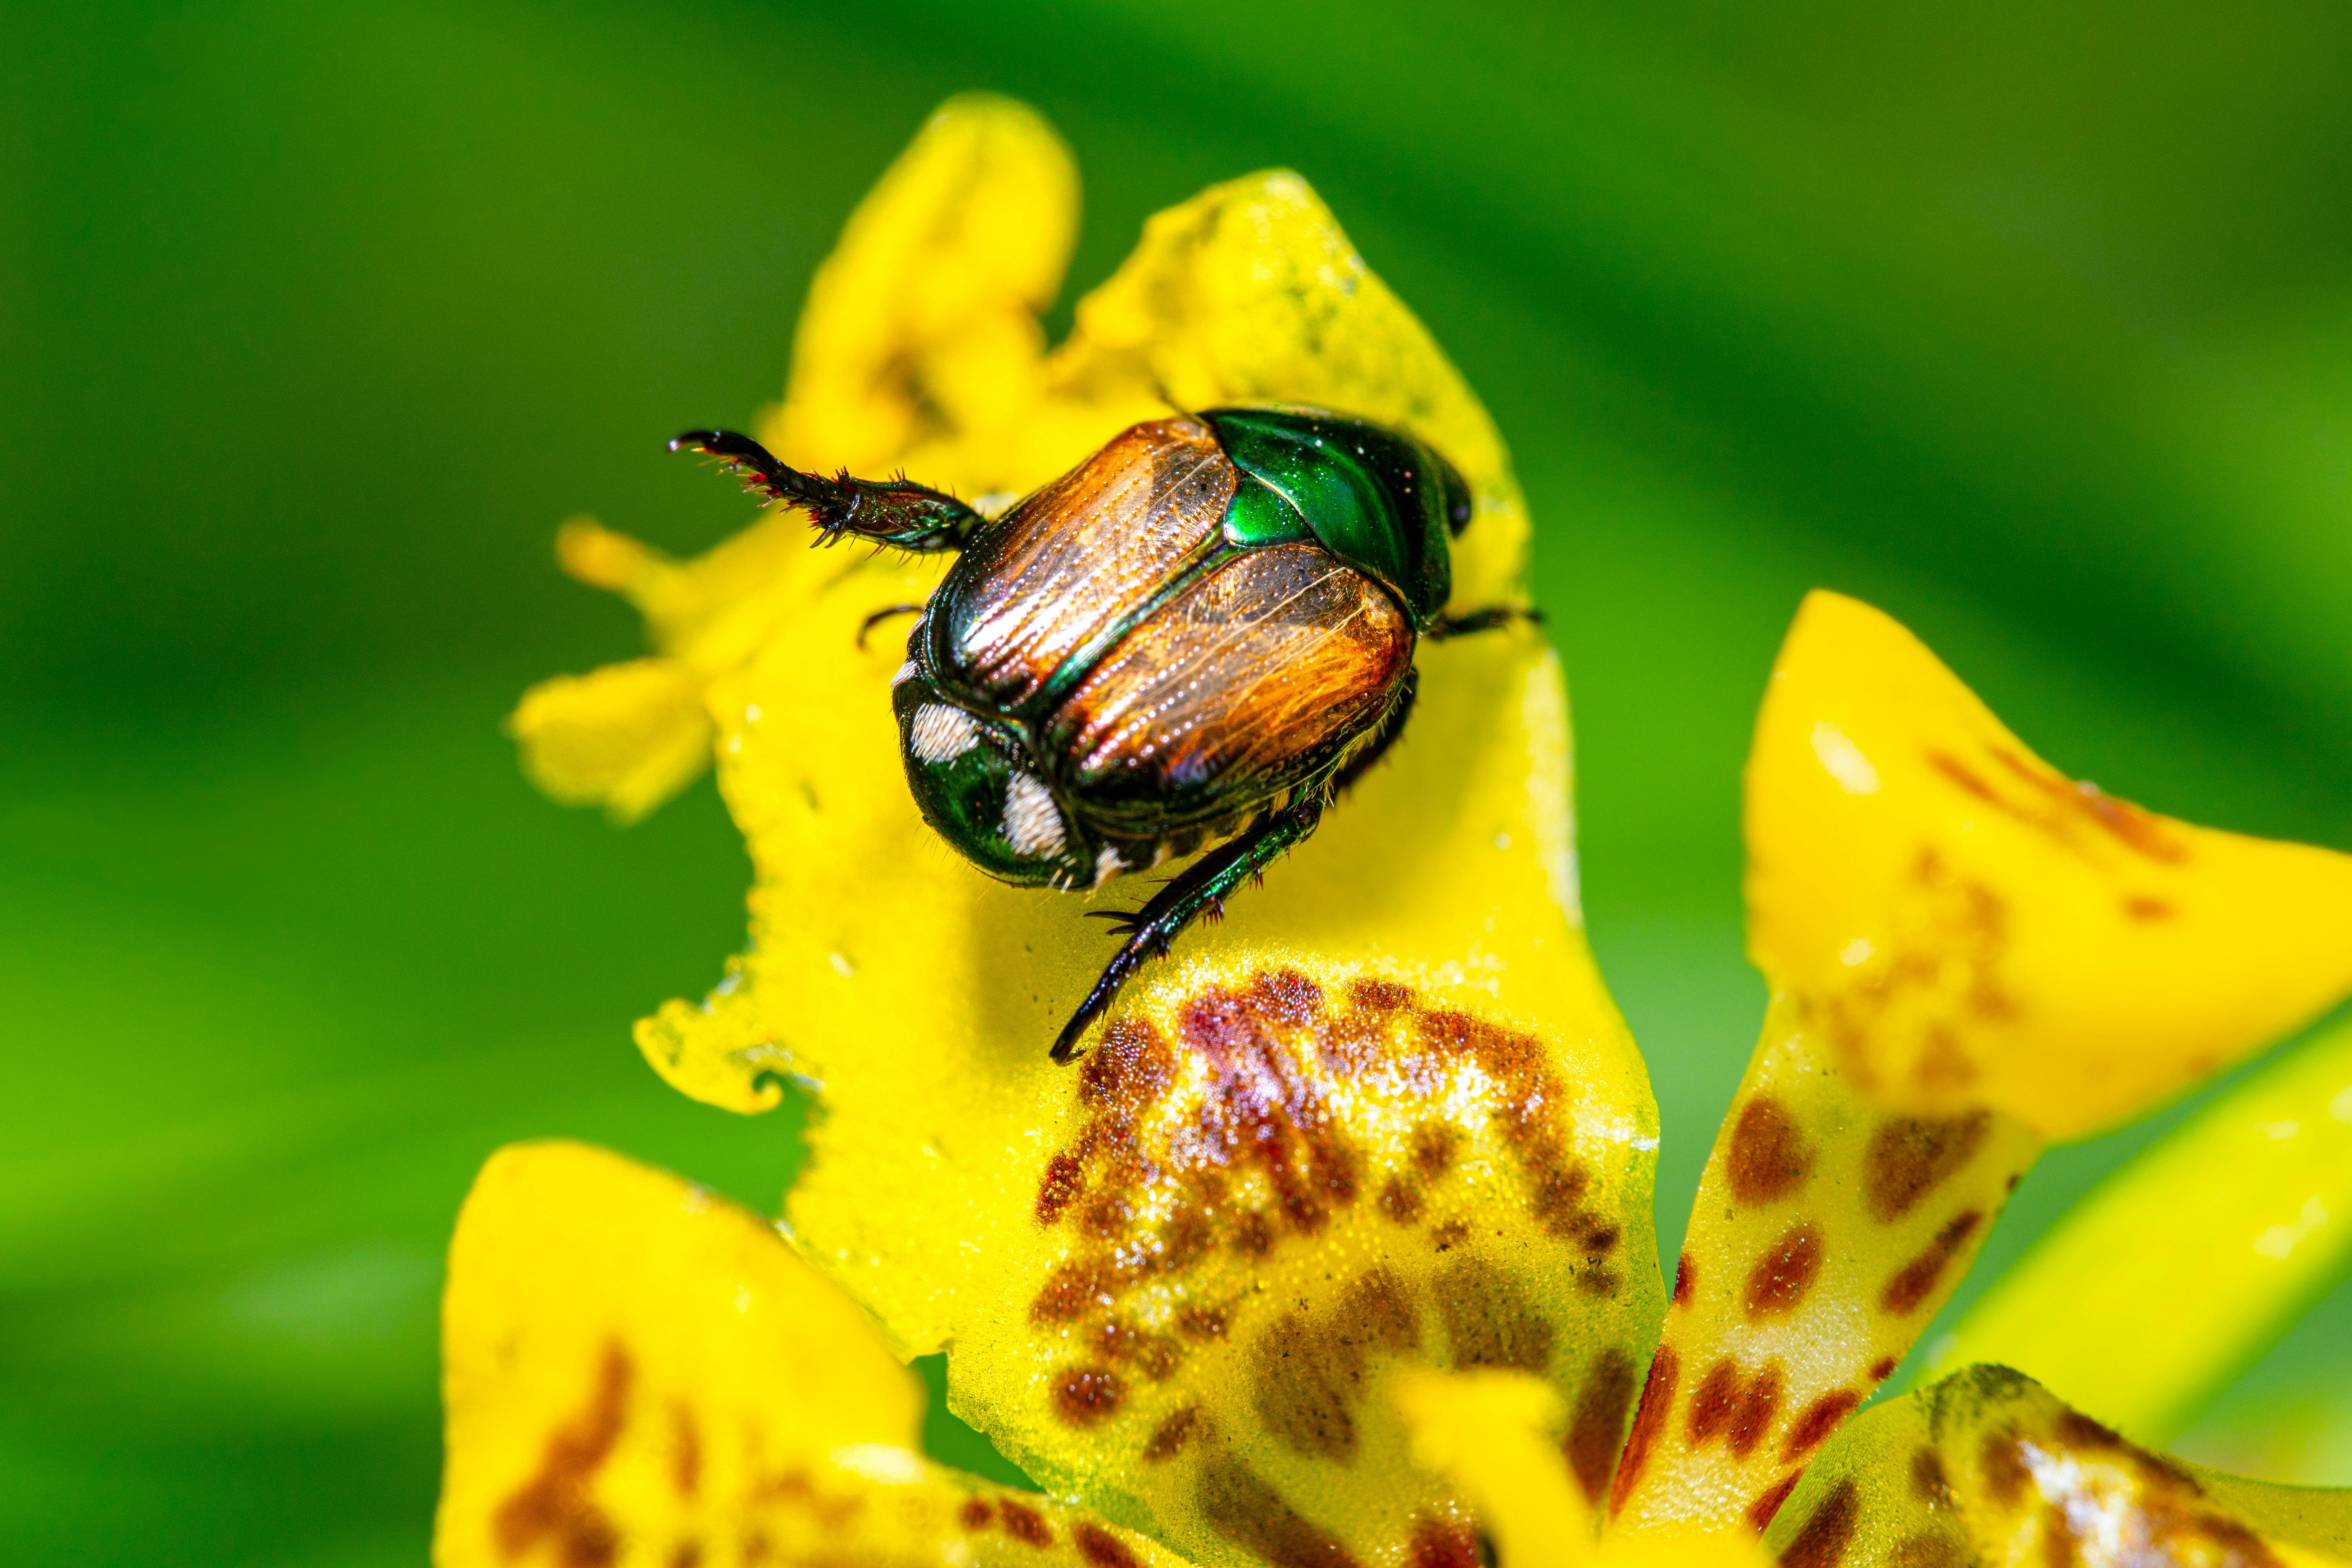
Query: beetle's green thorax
{"points": [[1377, 499]]}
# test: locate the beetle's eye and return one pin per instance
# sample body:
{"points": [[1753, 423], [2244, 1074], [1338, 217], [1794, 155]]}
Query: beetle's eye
{"points": [[1459, 516]]}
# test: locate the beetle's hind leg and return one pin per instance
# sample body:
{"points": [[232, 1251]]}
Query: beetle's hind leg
{"points": [[1485, 620], [1203, 886]]}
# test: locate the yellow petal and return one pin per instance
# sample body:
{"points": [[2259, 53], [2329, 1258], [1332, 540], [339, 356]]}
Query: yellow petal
{"points": [[2158, 1286], [636, 1372], [1826, 1233], [626, 737], [1383, 1114], [1988, 1468], [920, 343], [1495, 1435], [1964, 926]]}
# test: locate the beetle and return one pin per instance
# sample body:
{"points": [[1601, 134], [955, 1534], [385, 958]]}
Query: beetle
{"points": [[1199, 636]]}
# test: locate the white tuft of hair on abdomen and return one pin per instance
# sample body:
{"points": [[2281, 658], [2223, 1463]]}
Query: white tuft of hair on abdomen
{"points": [[1033, 823], [940, 733]]}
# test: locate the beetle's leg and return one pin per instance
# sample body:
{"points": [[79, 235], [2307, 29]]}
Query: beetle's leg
{"points": [[1199, 888], [896, 512], [1205, 884], [878, 617], [1485, 620]]}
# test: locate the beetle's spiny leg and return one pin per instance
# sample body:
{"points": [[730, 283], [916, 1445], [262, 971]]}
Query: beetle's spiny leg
{"points": [[1485, 620], [1201, 885]]}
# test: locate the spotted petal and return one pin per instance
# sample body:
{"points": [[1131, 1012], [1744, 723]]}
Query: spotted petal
{"points": [[1963, 926], [2152, 1293], [1987, 1468], [1384, 1115], [638, 1374], [1968, 953]]}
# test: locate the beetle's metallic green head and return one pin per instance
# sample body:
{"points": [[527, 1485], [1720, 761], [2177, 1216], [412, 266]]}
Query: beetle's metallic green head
{"points": [[976, 786]]}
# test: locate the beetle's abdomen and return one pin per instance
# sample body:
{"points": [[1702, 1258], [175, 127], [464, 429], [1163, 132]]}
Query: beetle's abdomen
{"points": [[1251, 680], [1081, 557]]}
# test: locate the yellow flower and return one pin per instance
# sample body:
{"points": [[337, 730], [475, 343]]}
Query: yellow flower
{"points": [[1337, 1249]]}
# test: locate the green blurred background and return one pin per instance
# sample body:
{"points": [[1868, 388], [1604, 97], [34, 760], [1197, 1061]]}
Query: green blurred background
{"points": [[2032, 324]]}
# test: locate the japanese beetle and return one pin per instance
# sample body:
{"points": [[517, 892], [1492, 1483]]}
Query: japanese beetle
{"points": [[1200, 634]]}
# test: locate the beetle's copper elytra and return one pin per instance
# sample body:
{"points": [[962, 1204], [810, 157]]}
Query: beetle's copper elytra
{"points": [[1200, 634]]}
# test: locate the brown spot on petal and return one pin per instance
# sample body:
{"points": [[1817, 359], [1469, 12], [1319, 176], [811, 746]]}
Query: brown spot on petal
{"points": [[2006, 1477], [1816, 1422], [2058, 1549], [1065, 1179], [1931, 1548], [2142, 908], [2080, 1430], [2134, 826], [1821, 1541], [1649, 1421], [1129, 1072], [1024, 1524], [1195, 1321], [1439, 1543], [1882, 1368], [1400, 1202], [1101, 1548], [1767, 1506], [1308, 1373], [1241, 1506], [1156, 1356], [1916, 1280], [1928, 1482], [1085, 1395], [554, 1503], [1072, 1291], [1490, 1320], [1910, 1156], [1449, 1236], [685, 1451], [1685, 1280], [1380, 996], [1713, 1401], [975, 1514], [1434, 1146], [1168, 1438], [1734, 1405], [1108, 1217], [1768, 1159], [1597, 1429], [1777, 1284], [1756, 1407]]}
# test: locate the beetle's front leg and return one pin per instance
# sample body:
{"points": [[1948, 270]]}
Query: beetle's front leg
{"points": [[897, 512], [1485, 620], [1205, 884], [1199, 888]]}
